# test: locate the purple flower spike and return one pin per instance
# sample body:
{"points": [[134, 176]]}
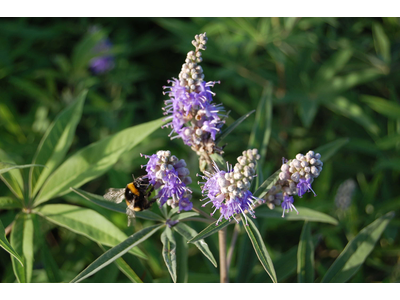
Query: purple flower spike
{"points": [[288, 205]]}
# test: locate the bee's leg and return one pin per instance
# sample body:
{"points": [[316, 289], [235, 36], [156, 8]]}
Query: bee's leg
{"points": [[150, 203]]}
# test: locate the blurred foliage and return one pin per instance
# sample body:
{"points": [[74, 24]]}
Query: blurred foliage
{"points": [[331, 78]]}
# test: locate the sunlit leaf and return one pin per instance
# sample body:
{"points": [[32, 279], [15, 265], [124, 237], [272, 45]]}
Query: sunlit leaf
{"points": [[13, 178], [6, 245], [267, 185], [86, 222], [9, 203], [387, 108], [169, 252], [209, 230], [116, 252], [260, 249], [94, 160]]}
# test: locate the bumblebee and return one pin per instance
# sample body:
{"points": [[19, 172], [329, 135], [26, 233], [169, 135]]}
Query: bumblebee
{"points": [[136, 195]]}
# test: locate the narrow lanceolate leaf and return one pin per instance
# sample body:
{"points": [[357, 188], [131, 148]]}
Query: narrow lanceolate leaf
{"points": [[184, 215], [267, 185], [56, 142], [6, 167], [182, 259], [188, 233], [121, 207], [9, 203], [328, 150], [6, 245], [22, 242], [260, 249], [356, 251], [116, 252], [93, 160], [50, 266], [305, 256], [86, 222], [169, 252], [228, 130], [261, 132], [305, 214], [125, 268], [13, 178], [209, 230]]}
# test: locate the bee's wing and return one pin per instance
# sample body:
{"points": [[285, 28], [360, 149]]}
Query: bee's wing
{"points": [[131, 213], [115, 195]]}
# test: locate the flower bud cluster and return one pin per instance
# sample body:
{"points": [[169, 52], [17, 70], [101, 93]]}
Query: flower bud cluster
{"points": [[170, 177], [344, 194], [229, 190], [190, 110], [295, 178]]}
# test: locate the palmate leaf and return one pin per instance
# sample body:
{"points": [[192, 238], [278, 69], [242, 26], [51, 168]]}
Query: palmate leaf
{"points": [[260, 249], [86, 222], [169, 252], [56, 142], [188, 233], [94, 160], [121, 207], [6, 245], [305, 255], [22, 241], [117, 251], [356, 251], [305, 214]]}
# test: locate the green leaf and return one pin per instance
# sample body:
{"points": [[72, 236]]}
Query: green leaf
{"points": [[124, 267], [121, 207], [5, 167], [22, 241], [328, 150], [387, 108], [86, 222], [13, 178], [209, 230], [169, 252], [381, 42], [188, 233], [9, 203], [334, 64], [94, 160], [356, 251], [116, 252], [83, 51], [305, 255], [267, 185], [353, 111], [260, 135], [260, 249], [182, 259], [228, 130], [305, 214], [184, 215], [6, 245], [50, 266], [219, 160], [56, 142], [391, 164]]}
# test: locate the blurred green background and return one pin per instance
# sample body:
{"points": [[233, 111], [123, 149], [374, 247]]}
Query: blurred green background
{"points": [[331, 77]]}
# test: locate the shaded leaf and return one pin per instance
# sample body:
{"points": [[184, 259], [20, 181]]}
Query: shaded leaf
{"points": [[356, 251], [184, 215], [13, 178], [267, 185], [328, 150], [209, 230], [9, 203], [228, 130], [6, 245], [305, 214], [305, 255], [116, 252], [387, 108]]}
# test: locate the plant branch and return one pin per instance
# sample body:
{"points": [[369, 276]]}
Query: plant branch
{"points": [[222, 256]]}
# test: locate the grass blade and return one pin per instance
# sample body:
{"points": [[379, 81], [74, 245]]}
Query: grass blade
{"points": [[260, 249], [116, 252], [305, 255], [356, 251]]}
